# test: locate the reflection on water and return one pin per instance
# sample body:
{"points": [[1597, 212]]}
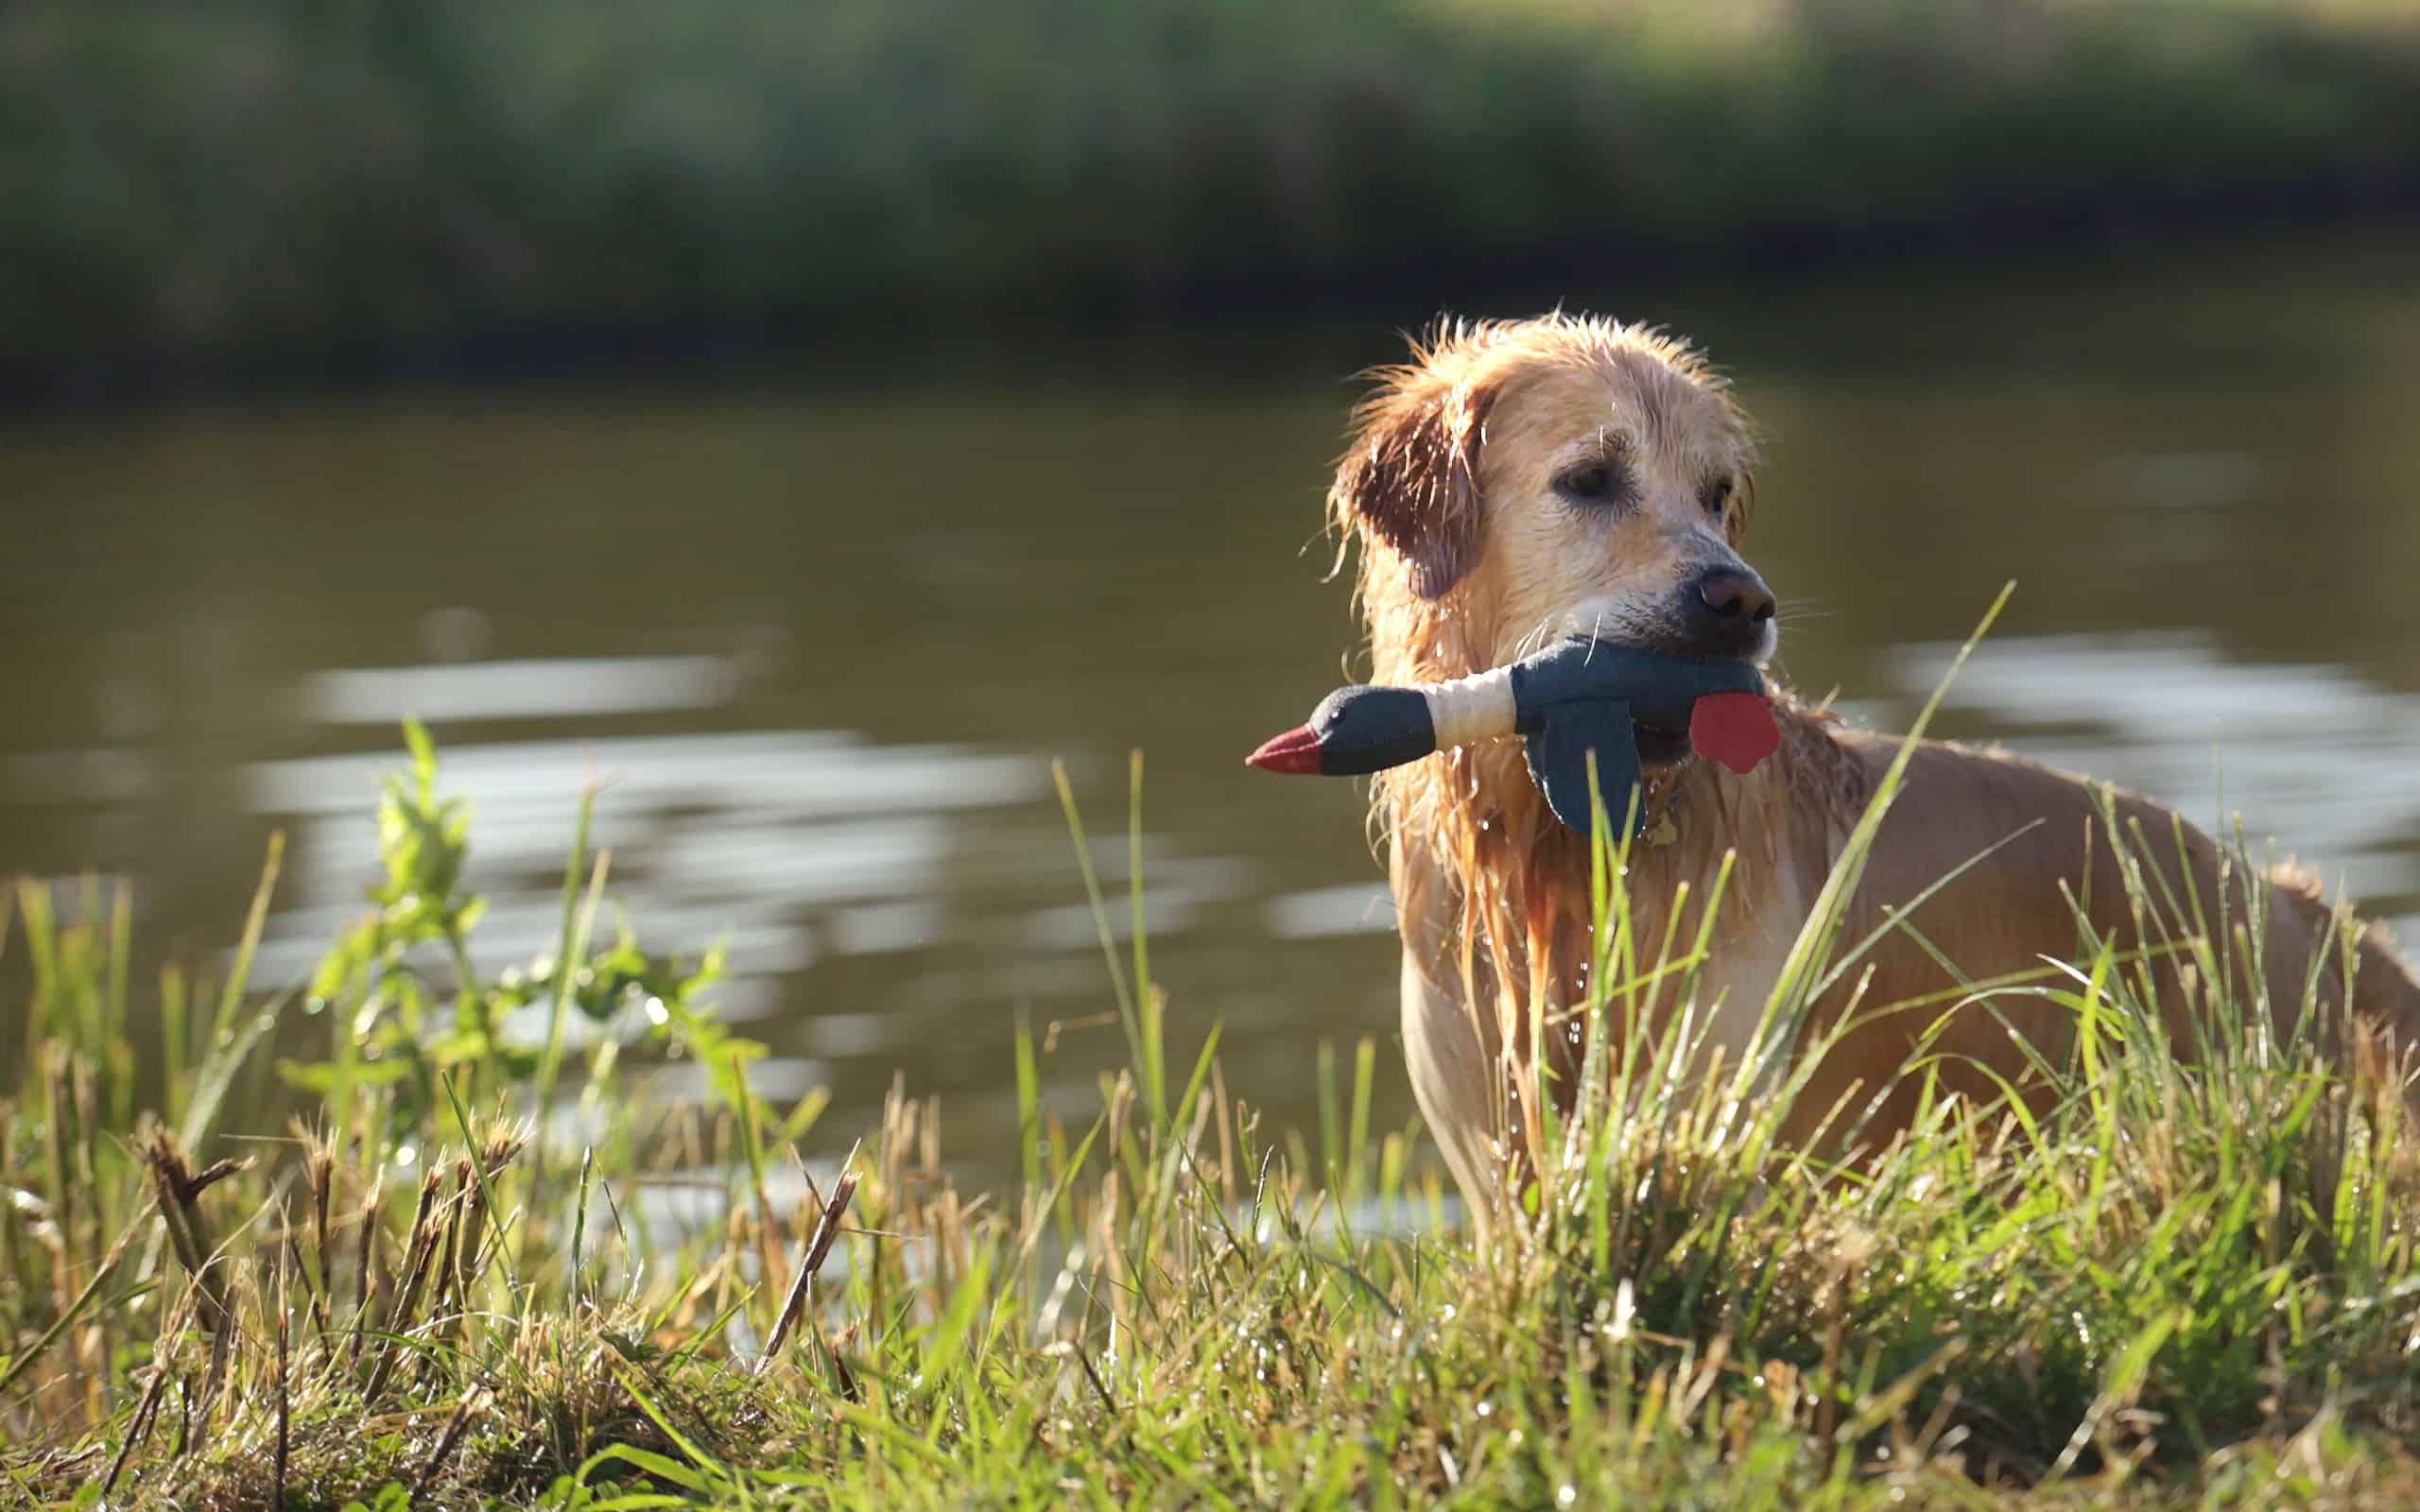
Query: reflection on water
{"points": [[586, 686], [760, 837], [821, 650], [2321, 760]]}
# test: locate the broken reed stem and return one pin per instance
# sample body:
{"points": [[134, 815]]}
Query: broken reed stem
{"points": [[474, 1402], [147, 1412], [419, 1251], [449, 1267], [320, 1164], [285, 1398], [472, 1247], [178, 1191], [817, 1246], [214, 1383], [366, 1260]]}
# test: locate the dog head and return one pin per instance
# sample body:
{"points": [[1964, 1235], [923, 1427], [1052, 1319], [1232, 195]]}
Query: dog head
{"points": [[1521, 481]]}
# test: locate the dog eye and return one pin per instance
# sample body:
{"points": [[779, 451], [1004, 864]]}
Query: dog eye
{"points": [[1716, 495], [1590, 483]]}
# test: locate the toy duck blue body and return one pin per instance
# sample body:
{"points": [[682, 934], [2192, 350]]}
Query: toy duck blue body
{"points": [[1577, 696]]}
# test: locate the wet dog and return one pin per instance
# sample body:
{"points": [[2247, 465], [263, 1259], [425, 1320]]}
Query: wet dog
{"points": [[1521, 481]]}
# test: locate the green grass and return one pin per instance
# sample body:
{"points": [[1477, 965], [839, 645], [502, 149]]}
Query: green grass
{"points": [[192, 187], [2191, 1285]]}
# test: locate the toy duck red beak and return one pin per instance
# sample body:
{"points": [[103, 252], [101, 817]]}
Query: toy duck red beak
{"points": [[1736, 728], [1296, 752]]}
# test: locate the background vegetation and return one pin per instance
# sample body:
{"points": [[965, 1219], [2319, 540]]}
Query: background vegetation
{"points": [[369, 186]]}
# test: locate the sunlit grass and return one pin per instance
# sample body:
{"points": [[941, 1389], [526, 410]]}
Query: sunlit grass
{"points": [[2192, 1282]]}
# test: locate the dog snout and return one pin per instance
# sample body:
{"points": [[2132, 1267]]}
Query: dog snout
{"points": [[1733, 608]]}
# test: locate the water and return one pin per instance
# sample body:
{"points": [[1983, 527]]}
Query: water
{"points": [[826, 644]]}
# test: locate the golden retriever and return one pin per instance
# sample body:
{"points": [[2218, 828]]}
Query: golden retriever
{"points": [[1522, 480]]}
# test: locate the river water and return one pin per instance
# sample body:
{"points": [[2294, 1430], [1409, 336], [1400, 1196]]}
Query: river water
{"points": [[825, 636]]}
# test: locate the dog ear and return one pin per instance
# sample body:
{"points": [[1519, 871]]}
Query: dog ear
{"points": [[1411, 480]]}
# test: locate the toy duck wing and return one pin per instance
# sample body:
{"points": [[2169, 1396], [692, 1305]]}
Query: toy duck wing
{"points": [[1559, 750]]}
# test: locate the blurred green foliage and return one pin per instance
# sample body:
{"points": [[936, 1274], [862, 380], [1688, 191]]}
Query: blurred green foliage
{"points": [[308, 174]]}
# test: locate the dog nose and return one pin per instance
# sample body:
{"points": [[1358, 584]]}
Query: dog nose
{"points": [[1733, 610], [1736, 593]]}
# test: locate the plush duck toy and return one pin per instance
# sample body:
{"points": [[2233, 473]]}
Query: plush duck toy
{"points": [[1575, 696]]}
